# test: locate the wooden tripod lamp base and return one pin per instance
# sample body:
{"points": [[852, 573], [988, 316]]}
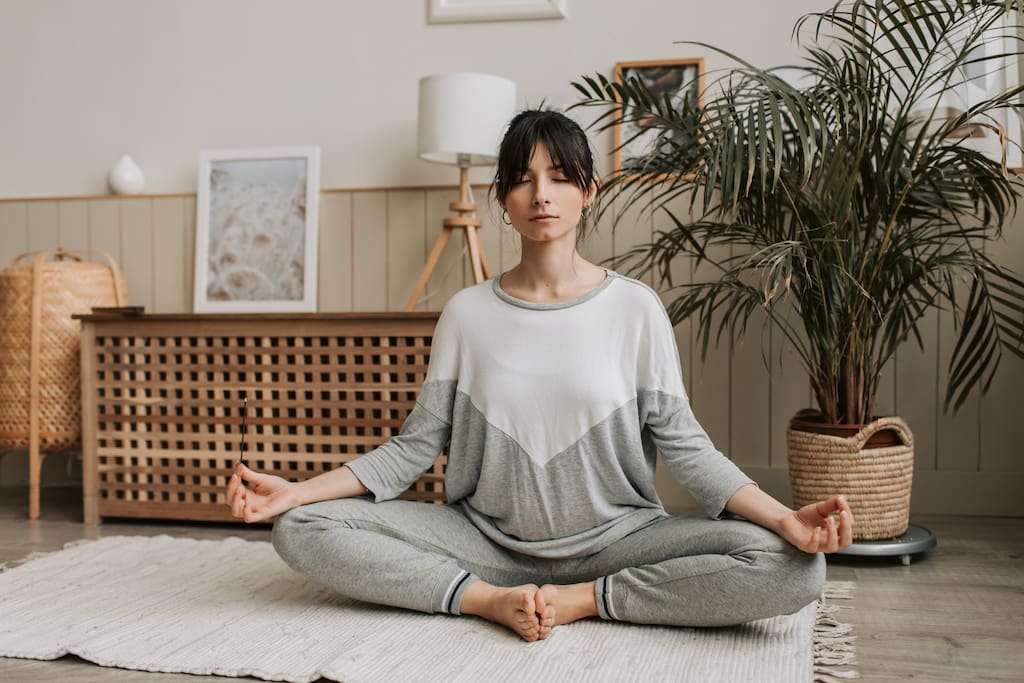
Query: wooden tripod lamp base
{"points": [[465, 221]]}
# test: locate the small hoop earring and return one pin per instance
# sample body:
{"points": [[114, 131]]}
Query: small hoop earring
{"points": [[505, 218]]}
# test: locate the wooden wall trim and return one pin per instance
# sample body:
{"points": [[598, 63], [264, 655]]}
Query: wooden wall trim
{"points": [[192, 195]]}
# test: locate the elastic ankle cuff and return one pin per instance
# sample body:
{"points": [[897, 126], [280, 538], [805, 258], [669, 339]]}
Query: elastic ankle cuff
{"points": [[452, 600], [603, 596]]}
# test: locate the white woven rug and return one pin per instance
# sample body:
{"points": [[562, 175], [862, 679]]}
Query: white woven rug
{"points": [[232, 608]]}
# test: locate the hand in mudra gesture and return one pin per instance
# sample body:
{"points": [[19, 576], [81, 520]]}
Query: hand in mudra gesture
{"points": [[267, 496], [813, 528]]}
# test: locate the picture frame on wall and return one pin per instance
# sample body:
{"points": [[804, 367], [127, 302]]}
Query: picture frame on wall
{"points": [[256, 230], [679, 79], [1001, 137], [462, 11]]}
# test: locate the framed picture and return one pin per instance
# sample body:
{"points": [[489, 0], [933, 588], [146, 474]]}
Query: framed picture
{"points": [[460, 11], [681, 79], [992, 69], [256, 230], [1001, 138]]}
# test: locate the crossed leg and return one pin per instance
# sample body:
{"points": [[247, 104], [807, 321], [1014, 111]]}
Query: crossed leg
{"points": [[428, 558], [696, 571]]}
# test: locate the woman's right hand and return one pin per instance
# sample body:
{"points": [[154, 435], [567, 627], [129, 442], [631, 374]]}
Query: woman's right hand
{"points": [[267, 496]]}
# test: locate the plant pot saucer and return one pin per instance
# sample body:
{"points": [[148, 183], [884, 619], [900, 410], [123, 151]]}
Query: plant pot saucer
{"points": [[916, 539]]}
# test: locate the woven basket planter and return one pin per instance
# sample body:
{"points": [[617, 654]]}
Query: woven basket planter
{"points": [[876, 479], [40, 376]]}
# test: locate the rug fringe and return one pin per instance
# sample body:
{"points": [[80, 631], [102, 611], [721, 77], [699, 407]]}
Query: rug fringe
{"points": [[834, 650]]}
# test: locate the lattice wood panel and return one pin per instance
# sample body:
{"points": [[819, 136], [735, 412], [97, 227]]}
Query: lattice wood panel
{"points": [[163, 396]]}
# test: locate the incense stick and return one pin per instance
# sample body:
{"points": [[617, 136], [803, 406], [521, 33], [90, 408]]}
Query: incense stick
{"points": [[241, 443]]}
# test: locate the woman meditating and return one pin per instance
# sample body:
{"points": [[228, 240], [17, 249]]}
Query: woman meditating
{"points": [[554, 386]]}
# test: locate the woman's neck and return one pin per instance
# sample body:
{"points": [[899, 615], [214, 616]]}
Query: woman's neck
{"points": [[544, 276]]}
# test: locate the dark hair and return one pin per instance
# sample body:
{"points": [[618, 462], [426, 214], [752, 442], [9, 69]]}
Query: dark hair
{"points": [[566, 142]]}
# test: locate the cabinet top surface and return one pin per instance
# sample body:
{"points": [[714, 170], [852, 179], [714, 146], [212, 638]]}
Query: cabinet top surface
{"points": [[256, 317]]}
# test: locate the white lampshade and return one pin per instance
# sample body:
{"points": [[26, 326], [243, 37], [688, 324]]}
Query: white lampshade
{"points": [[462, 117]]}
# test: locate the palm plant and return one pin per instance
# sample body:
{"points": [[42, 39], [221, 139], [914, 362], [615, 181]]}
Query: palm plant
{"points": [[846, 192]]}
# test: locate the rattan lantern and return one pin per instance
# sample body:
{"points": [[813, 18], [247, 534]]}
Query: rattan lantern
{"points": [[40, 375]]}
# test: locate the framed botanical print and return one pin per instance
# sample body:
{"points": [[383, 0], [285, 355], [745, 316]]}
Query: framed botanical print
{"points": [[256, 230]]}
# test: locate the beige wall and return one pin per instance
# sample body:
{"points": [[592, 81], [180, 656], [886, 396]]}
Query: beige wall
{"points": [[82, 83], [374, 243]]}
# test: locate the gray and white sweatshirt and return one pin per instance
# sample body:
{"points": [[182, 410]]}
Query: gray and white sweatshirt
{"points": [[554, 415]]}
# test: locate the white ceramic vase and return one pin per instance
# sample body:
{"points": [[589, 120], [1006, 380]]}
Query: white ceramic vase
{"points": [[126, 177]]}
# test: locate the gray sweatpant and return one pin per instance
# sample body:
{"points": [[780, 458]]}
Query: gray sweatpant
{"points": [[686, 571]]}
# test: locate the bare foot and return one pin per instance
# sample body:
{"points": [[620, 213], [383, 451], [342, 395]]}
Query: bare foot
{"points": [[513, 607], [569, 603]]}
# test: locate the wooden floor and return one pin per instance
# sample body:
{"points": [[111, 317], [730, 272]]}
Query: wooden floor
{"points": [[955, 614]]}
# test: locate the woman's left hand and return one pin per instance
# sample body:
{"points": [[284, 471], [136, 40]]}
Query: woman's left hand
{"points": [[813, 528]]}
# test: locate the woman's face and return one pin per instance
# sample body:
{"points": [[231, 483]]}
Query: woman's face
{"points": [[543, 204]]}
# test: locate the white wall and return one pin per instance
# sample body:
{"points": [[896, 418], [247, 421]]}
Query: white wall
{"points": [[84, 81]]}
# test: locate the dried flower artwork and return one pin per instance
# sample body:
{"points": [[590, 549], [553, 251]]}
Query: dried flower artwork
{"points": [[257, 230]]}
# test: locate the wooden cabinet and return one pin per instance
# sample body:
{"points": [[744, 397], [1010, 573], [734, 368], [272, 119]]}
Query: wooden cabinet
{"points": [[162, 402]]}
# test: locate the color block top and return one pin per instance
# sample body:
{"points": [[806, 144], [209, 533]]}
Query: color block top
{"points": [[554, 415]]}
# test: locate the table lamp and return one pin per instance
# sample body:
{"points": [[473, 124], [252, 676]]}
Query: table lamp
{"points": [[462, 117]]}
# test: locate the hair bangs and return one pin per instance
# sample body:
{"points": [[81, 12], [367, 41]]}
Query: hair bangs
{"points": [[565, 141]]}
